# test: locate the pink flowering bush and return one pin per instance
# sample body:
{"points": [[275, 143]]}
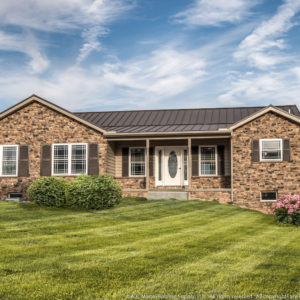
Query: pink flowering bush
{"points": [[287, 209]]}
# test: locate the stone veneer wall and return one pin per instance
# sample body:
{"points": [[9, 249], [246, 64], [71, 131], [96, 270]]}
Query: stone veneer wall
{"points": [[249, 178], [208, 182], [198, 182], [35, 125], [132, 183], [133, 186], [220, 196]]}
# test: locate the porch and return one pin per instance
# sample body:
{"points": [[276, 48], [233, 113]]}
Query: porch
{"points": [[199, 166]]}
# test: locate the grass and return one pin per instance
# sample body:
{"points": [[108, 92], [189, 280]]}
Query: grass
{"points": [[143, 248]]}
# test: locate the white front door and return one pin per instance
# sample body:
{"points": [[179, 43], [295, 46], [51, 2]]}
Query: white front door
{"points": [[171, 165]]}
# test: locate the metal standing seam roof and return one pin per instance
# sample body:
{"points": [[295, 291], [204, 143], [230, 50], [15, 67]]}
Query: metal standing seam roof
{"points": [[175, 120]]}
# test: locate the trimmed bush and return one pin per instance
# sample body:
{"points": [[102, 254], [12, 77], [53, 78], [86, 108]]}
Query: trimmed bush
{"points": [[48, 191], [287, 209], [93, 192]]}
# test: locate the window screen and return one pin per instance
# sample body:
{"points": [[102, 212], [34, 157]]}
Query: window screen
{"points": [[271, 149], [69, 159], [137, 162], [9, 160], [208, 161]]}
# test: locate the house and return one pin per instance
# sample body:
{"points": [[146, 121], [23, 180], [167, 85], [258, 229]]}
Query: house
{"points": [[246, 156]]}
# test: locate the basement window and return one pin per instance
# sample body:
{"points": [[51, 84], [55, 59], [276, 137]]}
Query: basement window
{"points": [[267, 196], [14, 196]]}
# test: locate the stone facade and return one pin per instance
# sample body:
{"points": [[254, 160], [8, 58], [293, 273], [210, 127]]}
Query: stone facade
{"points": [[209, 195], [35, 125], [132, 183], [209, 182], [249, 178], [198, 182], [142, 194]]}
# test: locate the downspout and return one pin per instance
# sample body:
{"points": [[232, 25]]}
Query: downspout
{"points": [[231, 166]]}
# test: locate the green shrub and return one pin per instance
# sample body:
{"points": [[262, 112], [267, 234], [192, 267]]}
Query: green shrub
{"points": [[48, 191], [93, 192]]}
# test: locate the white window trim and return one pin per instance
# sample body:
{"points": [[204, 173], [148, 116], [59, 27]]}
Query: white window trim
{"points": [[1, 160], [185, 182], [129, 162], [157, 181], [266, 200], [270, 140], [216, 160], [69, 158]]}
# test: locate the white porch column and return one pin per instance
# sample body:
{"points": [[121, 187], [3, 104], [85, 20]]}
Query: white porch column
{"points": [[190, 162], [147, 164]]}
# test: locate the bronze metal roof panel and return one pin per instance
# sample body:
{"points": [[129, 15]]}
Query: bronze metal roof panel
{"points": [[173, 120]]}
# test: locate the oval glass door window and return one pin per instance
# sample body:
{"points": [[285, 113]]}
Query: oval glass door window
{"points": [[172, 164]]}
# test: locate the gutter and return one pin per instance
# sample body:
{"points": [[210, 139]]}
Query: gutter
{"points": [[172, 133]]}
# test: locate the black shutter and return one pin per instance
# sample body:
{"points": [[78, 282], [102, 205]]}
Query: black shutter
{"points": [[45, 160], [125, 162], [151, 161], [255, 150], [286, 150], [221, 160], [23, 161], [195, 161], [93, 159]]}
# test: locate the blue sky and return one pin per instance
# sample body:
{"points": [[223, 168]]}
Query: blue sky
{"points": [[142, 54]]}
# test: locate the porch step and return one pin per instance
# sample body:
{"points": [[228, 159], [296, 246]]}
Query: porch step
{"points": [[164, 195]]}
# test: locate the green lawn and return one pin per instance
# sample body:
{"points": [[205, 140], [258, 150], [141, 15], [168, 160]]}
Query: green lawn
{"points": [[143, 248]]}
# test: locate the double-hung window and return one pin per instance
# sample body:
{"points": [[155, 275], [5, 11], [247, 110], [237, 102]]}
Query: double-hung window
{"points": [[69, 159], [271, 149], [208, 161], [8, 160], [137, 162]]}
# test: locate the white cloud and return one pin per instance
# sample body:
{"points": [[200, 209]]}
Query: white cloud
{"points": [[91, 17], [214, 13], [261, 48], [27, 44], [61, 15], [262, 89], [143, 82]]}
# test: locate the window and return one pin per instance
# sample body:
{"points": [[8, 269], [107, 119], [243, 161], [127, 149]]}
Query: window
{"points": [[208, 161], [69, 159], [9, 160], [271, 149], [268, 196], [137, 162]]}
